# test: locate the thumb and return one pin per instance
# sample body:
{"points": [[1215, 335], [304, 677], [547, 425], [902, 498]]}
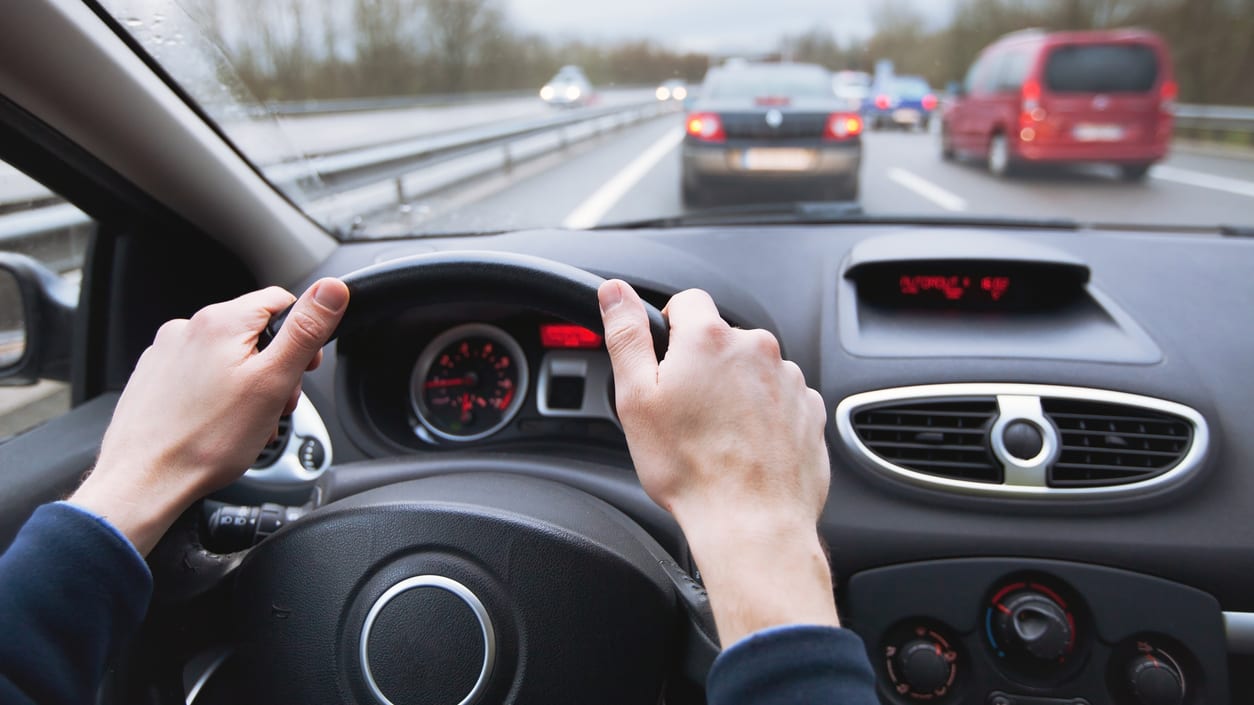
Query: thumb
{"points": [[628, 339], [306, 329]]}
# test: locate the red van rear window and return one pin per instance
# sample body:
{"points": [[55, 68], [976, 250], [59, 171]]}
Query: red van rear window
{"points": [[1101, 68]]}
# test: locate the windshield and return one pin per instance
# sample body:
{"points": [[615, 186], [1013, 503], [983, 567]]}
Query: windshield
{"points": [[396, 118], [767, 81]]}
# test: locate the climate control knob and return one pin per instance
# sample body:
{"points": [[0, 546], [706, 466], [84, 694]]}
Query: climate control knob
{"points": [[921, 664], [1155, 680], [1031, 627]]}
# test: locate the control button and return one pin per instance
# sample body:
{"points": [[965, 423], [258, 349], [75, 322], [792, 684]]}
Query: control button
{"points": [[1022, 439], [1154, 680], [566, 393], [312, 454]]}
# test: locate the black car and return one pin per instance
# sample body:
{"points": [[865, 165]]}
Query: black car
{"points": [[764, 127]]}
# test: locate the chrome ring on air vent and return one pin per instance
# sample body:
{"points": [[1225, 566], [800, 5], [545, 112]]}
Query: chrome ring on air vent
{"points": [[1093, 443]]}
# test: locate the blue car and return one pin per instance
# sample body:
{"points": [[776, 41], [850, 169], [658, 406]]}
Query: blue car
{"points": [[900, 101]]}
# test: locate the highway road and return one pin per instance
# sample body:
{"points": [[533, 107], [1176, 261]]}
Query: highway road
{"points": [[635, 175], [271, 140]]}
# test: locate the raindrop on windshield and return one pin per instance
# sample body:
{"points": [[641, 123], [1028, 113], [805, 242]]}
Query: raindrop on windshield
{"points": [[133, 22]]}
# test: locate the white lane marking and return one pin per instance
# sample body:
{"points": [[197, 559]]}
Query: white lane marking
{"points": [[590, 212], [1202, 179], [928, 190]]}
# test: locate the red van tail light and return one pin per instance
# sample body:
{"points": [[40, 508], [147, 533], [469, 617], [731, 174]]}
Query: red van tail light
{"points": [[706, 127], [929, 102], [1031, 111], [842, 126], [1031, 95], [882, 101], [1167, 97]]}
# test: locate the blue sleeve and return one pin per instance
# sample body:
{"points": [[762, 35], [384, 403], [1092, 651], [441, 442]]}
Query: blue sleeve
{"points": [[795, 664], [72, 590]]}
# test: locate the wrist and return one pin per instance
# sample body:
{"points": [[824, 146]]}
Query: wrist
{"points": [[762, 574], [142, 510]]}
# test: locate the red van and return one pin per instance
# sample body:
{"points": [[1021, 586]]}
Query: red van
{"points": [[1065, 97]]}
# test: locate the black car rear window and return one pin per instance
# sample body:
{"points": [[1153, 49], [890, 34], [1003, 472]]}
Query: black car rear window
{"points": [[759, 83], [1101, 68]]}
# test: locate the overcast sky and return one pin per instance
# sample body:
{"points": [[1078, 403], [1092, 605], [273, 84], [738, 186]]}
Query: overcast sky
{"points": [[705, 25]]}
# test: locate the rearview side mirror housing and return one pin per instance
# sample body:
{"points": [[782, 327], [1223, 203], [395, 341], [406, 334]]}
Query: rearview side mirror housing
{"points": [[36, 322]]}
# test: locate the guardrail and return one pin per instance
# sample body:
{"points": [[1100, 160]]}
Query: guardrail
{"points": [[354, 105], [1216, 119], [363, 181]]}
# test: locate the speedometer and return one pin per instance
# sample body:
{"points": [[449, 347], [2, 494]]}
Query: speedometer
{"points": [[469, 382]]}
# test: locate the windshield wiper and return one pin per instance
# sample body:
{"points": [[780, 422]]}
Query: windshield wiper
{"points": [[828, 212]]}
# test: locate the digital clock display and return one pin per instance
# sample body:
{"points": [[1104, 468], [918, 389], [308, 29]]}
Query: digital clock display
{"points": [[955, 287], [968, 286]]}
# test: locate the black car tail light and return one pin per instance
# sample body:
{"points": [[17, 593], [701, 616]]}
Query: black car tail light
{"points": [[706, 127], [842, 126]]}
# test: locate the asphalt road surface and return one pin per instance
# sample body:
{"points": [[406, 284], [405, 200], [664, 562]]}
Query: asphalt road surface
{"points": [[635, 175]]}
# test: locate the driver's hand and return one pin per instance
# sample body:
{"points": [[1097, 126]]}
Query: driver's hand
{"points": [[201, 404], [726, 436]]}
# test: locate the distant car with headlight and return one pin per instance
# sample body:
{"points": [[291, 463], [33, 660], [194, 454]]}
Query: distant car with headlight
{"points": [[674, 89], [771, 126], [900, 101], [569, 88]]}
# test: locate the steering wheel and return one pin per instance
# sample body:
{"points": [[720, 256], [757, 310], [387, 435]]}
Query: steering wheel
{"points": [[466, 588]]}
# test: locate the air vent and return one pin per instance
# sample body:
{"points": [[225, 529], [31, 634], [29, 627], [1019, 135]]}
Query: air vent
{"points": [[1111, 444], [942, 438], [274, 449], [1036, 441]]}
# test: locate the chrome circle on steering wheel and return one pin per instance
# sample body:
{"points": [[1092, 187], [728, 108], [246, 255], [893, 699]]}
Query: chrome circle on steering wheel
{"points": [[469, 382]]}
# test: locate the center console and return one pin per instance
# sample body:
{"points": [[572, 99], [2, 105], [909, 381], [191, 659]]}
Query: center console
{"points": [[992, 631]]}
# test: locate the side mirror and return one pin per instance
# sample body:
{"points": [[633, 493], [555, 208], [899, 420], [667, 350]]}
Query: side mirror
{"points": [[954, 88], [36, 322]]}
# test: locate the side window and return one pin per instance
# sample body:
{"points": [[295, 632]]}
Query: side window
{"points": [[37, 223], [1012, 71], [981, 77], [968, 83]]}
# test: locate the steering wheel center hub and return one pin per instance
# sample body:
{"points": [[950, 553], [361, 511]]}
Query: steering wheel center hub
{"points": [[427, 639]]}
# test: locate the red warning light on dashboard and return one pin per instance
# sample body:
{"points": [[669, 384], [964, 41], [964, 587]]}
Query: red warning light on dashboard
{"points": [[953, 287], [565, 335]]}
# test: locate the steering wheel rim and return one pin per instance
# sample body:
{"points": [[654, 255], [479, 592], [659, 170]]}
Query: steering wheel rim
{"points": [[459, 277]]}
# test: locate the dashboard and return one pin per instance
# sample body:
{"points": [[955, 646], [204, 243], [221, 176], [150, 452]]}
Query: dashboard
{"points": [[480, 377], [1040, 486]]}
